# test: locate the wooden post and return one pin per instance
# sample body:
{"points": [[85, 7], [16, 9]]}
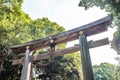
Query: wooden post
{"points": [[85, 58], [29, 73], [26, 65]]}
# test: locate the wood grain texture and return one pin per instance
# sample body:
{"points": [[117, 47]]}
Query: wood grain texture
{"points": [[91, 44], [88, 29]]}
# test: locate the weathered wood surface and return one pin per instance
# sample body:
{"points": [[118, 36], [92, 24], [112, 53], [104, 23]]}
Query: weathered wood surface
{"points": [[85, 58], [91, 44], [26, 66], [89, 29]]}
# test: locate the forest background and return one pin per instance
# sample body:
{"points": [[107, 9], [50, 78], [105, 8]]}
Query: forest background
{"points": [[17, 27]]}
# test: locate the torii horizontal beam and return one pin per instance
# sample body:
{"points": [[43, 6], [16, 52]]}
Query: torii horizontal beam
{"points": [[75, 48], [89, 29]]}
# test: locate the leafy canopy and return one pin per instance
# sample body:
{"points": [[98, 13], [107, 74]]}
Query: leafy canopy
{"points": [[106, 71], [16, 27], [111, 6]]}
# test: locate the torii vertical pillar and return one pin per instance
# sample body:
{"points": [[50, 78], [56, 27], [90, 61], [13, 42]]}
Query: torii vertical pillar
{"points": [[26, 65], [85, 58]]}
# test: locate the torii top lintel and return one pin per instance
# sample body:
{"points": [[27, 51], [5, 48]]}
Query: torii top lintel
{"points": [[88, 29]]}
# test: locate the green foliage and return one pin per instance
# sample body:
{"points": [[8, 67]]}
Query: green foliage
{"points": [[7, 71], [4, 51], [111, 6], [16, 27], [106, 71], [41, 28], [73, 60], [59, 68], [10, 12], [12, 22]]}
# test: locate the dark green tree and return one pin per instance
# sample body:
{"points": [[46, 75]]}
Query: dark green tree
{"points": [[10, 12], [113, 7], [41, 28], [16, 27], [106, 71], [7, 71], [13, 22], [66, 67]]}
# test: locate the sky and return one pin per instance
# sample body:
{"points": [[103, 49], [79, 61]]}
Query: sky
{"points": [[68, 14]]}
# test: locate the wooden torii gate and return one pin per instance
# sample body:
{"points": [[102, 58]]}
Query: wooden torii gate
{"points": [[78, 33]]}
